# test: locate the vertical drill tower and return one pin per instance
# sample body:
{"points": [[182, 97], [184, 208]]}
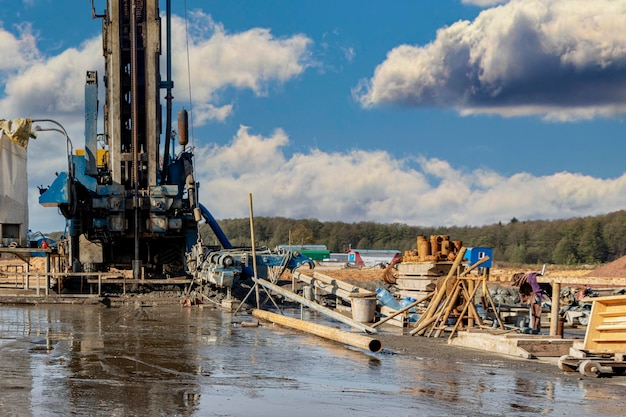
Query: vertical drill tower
{"points": [[127, 206]]}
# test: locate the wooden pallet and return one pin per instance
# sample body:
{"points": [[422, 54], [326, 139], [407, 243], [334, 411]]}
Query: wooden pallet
{"points": [[606, 332], [604, 348]]}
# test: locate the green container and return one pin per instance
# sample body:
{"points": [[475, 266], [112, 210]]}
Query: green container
{"points": [[316, 255]]}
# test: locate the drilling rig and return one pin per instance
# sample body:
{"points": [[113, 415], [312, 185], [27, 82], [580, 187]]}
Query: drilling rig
{"points": [[129, 201]]}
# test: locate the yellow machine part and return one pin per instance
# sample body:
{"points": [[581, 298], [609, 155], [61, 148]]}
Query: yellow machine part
{"points": [[102, 155]]}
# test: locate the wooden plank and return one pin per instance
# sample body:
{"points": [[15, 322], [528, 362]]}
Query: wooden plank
{"points": [[616, 321], [611, 314], [594, 281], [612, 300], [607, 341], [610, 337], [545, 348], [611, 327], [28, 251]]}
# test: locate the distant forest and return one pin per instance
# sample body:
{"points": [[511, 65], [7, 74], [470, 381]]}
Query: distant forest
{"points": [[589, 240]]}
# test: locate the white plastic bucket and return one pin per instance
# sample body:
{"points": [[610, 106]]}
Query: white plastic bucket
{"points": [[363, 309]]}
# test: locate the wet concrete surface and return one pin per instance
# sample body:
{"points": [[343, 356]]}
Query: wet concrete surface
{"points": [[65, 360]]}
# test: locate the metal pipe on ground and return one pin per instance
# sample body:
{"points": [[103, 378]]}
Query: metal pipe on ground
{"points": [[313, 305], [356, 340]]}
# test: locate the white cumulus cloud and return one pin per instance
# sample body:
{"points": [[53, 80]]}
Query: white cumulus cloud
{"points": [[36, 85], [356, 185], [562, 59], [254, 59], [370, 186], [17, 51], [43, 87], [52, 87], [374, 186]]}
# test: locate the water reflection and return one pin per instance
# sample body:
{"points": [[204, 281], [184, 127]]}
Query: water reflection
{"points": [[92, 361], [173, 361]]}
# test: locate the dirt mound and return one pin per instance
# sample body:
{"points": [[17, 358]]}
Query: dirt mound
{"points": [[615, 269], [354, 274]]}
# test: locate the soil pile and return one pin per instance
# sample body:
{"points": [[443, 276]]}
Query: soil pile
{"points": [[615, 269]]}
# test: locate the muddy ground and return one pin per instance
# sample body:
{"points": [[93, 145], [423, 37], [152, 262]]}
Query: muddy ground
{"points": [[147, 354], [418, 346], [394, 339], [168, 360]]}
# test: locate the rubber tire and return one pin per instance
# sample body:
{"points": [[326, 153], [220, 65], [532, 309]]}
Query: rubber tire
{"points": [[589, 367], [564, 366]]}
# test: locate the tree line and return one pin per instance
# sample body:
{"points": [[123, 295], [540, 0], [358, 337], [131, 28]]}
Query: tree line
{"points": [[588, 240]]}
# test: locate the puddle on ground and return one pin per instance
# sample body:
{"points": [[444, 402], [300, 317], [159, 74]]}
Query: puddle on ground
{"points": [[62, 360]]}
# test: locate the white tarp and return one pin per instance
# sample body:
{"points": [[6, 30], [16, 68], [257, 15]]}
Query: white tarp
{"points": [[14, 136]]}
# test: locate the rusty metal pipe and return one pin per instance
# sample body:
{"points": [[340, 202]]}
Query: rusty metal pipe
{"points": [[314, 306], [356, 340]]}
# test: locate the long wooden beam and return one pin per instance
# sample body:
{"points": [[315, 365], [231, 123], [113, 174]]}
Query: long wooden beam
{"points": [[597, 281], [357, 340]]}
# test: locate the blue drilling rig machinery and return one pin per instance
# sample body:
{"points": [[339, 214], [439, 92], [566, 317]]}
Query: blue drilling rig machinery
{"points": [[127, 205]]}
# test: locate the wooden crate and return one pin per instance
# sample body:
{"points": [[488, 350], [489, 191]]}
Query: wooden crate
{"points": [[606, 332]]}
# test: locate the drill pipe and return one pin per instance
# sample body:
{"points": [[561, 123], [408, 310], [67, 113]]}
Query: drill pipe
{"points": [[356, 340]]}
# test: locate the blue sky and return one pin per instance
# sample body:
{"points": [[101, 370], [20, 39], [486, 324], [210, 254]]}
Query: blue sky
{"points": [[443, 112]]}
